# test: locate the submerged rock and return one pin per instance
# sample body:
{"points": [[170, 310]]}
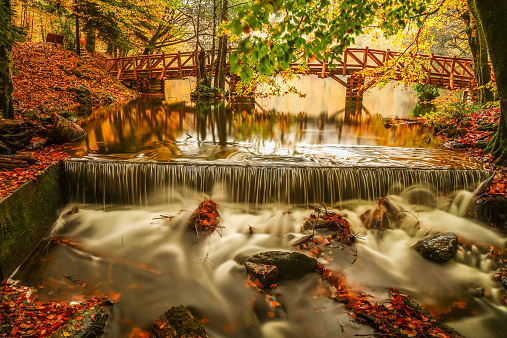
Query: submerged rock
{"points": [[290, 265], [386, 216], [476, 292], [439, 248], [177, 322]]}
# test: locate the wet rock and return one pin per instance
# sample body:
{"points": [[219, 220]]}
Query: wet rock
{"points": [[386, 216], [84, 95], [63, 130], [266, 274], [205, 219], [489, 207], [88, 323], [476, 292], [456, 145], [177, 322], [420, 195], [108, 100], [501, 276], [439, 248], [503, 280], [333, 221], [32, 114], [290, 265]]}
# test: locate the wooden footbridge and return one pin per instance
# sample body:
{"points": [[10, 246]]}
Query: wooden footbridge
{"points": [[441, 71]]}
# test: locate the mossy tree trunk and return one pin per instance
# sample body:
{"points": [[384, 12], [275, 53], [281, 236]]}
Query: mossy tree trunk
{"points": [[220, 71], [492, 14], [91, 36], [479, 48], [6, 62]]}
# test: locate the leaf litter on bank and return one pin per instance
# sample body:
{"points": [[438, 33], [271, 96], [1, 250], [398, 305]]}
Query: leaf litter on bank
{"points": [[45, 76], [22, 316]]}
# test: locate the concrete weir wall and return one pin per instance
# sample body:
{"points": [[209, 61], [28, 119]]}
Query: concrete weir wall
{"points": [[27, 215]]}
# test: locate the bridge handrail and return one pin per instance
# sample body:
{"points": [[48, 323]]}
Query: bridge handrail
{"points": [[449, 70]]}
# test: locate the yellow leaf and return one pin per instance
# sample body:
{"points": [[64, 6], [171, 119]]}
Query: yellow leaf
{"points": [[66, 334]]}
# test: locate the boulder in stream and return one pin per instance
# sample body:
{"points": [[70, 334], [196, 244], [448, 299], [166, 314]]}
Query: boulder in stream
{"points": [[438, 248], [205, 219], [290, 265], [333, 221], [489, 204], [177, 322]]}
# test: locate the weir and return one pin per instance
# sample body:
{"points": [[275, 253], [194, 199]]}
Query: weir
{"points": [[131, 183]]}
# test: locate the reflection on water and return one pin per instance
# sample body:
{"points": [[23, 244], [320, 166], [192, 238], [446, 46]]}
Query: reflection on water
{"points": [[152, 129], [327, 95]]}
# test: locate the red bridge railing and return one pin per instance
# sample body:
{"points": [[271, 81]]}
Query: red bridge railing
{"points": [[441, 71]]}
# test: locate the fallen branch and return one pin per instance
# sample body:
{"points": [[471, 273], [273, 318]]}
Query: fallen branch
{"points": [[73, 244]]}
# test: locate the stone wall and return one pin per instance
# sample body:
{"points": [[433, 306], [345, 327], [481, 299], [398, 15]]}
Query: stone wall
{"points": [[27, 215]]}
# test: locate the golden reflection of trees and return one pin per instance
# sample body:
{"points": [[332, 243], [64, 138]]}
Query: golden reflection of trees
{"points": [[151, 125]]}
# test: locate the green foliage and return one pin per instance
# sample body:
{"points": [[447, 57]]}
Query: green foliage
{"points": [[452, 119], [426, 92], [9, 33], [270, 31], [261, 85], [204, 92]]}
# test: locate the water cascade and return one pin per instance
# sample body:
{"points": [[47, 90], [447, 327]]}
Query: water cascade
{"points": [[127, 183]]}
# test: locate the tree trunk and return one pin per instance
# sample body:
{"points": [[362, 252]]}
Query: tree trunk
{"points": [[197, 63], [78, 43], [150, 47], [110, 47], [6, 62], [492, 14], [222, 52], [90, 41], [479, 48], [213, 38]]}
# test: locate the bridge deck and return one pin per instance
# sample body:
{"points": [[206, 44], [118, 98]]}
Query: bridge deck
{"points": [[441, 71]]}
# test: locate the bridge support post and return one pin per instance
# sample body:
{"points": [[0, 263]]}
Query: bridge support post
{"points": [[354, 94]]}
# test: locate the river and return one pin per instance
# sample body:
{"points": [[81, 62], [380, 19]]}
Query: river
{"points": [[145, 166]]}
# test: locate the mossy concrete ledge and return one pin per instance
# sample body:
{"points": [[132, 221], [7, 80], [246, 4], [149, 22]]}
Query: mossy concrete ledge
{"points": [[27, 215]]}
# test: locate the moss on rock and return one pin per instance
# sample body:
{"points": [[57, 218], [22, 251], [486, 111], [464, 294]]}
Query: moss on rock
{"points": [[27, 215]]}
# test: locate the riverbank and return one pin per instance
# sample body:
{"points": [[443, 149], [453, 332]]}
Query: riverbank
{"points": [[49, 79]]}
